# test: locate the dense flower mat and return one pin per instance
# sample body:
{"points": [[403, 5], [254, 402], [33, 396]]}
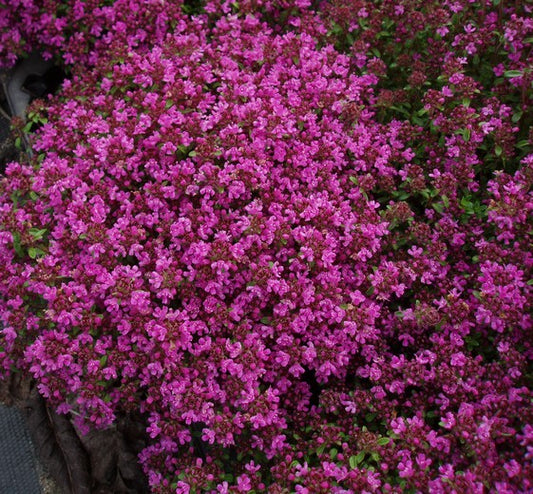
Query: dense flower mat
{"points": [[295, 235]]}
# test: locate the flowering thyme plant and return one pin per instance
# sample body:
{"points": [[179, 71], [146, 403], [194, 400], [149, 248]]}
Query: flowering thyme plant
{"points": [[293, 235]]}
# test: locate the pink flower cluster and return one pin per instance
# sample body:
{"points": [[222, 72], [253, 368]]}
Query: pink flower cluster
{"points": [[294, 237]]}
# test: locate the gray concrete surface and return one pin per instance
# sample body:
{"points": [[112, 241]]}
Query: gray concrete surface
{"points": [[18, 463]]}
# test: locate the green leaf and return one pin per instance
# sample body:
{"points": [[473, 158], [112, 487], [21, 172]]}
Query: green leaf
{"points": [[37, 233], [467, 205], [517, 116], [355, 460], [400, 109], [471, 342], [401, 195], [513, 73], [439, 207], [498, 151], [383, 441], [333, 453], [17, 245], [37, 252]]}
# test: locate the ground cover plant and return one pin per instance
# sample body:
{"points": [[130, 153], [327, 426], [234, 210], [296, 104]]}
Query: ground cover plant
{"points": [[294, 236]]}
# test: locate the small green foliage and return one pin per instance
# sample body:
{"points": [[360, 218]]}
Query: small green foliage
{"points": [[354, 461]]}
